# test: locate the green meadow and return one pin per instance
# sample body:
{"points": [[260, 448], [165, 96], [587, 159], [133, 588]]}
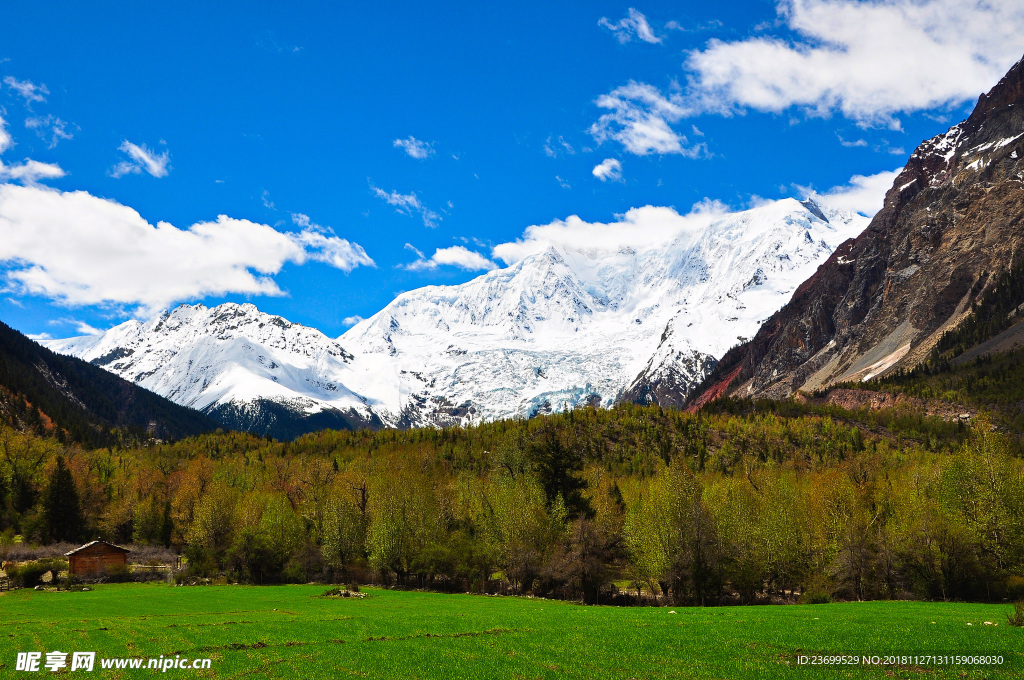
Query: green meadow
{"points": [[294, 632]]}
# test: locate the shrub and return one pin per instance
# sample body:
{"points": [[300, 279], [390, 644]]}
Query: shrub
{"points": [[815, 597], [118, 573], [1017, 617], [30, 574]]}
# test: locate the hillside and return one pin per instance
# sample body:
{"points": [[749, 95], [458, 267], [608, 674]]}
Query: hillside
{"points": [[78, 402], [950, 228]]}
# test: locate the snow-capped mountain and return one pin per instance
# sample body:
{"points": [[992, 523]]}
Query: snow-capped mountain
{"points": [[245, 368], [563, 326], [569, 326]]}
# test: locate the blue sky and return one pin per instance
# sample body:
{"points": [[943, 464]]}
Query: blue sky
{"points": [[363, 151]]}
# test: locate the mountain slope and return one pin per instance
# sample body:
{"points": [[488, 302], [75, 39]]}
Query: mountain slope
{"points": [[562, 327], [950, 226], [575, 325], [248, 370], [80, 402]]}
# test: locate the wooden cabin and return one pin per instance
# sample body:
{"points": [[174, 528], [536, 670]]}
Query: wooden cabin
{"points": [[95, 558]]}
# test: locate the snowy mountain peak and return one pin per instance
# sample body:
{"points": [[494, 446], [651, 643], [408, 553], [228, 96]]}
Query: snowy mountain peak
{"points": [[200, 357], [571, 322]]}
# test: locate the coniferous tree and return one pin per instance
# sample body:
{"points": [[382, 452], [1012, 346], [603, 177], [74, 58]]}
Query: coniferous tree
{"points": [[62, 509], [4, 492], [166, 526], [556, 465]]}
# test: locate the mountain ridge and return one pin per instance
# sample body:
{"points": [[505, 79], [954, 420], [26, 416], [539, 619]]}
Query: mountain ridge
{"points": [[562, 327], [950, 224], [79, 402]]}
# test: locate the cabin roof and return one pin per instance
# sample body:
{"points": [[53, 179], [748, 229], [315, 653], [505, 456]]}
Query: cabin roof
{"points": [[97, 544]]}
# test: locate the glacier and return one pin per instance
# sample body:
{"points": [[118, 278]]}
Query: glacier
{"points": [[565, 326]]}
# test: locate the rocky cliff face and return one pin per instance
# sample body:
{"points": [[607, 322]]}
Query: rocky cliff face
{"points": [[951, 223]]}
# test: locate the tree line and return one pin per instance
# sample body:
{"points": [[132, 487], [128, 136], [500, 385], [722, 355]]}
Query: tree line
{"points": [[742, 503]]}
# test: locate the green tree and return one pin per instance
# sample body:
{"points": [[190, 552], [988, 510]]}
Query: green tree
{"points": [[344, 533], [556, 465], [62, 510]]}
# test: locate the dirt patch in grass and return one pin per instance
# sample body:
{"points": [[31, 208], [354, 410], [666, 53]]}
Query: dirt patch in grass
{"points": [[477, 633]]}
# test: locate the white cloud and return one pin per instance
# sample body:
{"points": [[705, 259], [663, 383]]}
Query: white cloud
{"points": [[608, 169], [141, 158], [640, 119], [408, 204], [633, 26], [82, 328], [553, 148], [351, 320], [6, 141], [638, 228], [855, 143], [711, 25], [30, 171], [455, 256], [863, 194], [50, 129], [563, 183], [39, 337], [28, 90], [82, 250], [641, 228], [867, 60], [415, 148]]}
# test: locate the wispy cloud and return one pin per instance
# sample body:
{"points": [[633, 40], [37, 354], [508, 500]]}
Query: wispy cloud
{"points": [[28, 172], [351, 320], [141, 158], [268, 41], [555, 147], [414, 148], [608, 169], [29, 91], [50, 129], [851, 144], [407, 204], [712, 25], [455, 256], [633, 26]]}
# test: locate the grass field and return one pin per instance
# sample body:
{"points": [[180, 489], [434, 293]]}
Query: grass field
{"points": [[293, 632]]}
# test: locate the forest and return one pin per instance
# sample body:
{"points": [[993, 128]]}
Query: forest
{"points": [[740, 503]]}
